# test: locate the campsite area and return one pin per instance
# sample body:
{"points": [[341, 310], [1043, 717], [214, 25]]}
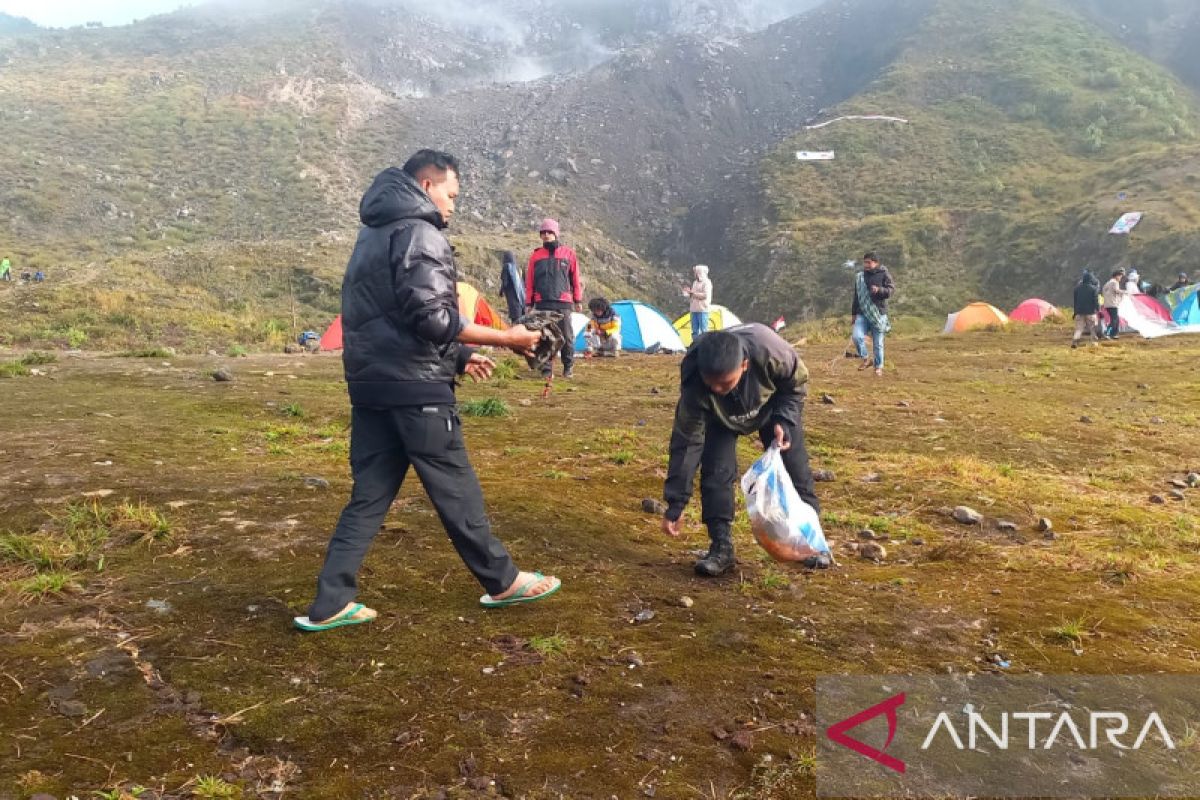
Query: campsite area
{"points": [[161, 529]]}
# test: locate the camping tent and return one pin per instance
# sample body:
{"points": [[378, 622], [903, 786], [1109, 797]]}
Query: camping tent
{"points": [[332, 338], [1033, 311], [975, 315], [719, 318], [471, 304], [643, 328], [1144, 315], [1185, 305]]}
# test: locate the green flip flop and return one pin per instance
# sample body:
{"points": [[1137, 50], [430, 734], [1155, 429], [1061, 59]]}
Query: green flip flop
{"points": [[347, 617], [519, 596]]}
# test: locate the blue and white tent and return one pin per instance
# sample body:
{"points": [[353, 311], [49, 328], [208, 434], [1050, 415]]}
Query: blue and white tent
{"points": [[643, 328], [1185, 305]]}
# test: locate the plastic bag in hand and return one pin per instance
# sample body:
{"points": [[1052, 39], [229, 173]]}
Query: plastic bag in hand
{"points": [[784, 525]]}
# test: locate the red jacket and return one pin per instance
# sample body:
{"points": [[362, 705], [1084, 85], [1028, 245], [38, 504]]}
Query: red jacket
{"points": [[553, 279]]}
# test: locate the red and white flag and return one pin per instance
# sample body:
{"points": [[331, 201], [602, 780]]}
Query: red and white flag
{"points": [[778, 324]]}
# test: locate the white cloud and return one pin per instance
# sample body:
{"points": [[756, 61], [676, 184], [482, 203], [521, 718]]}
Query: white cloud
{"points": [[64, 13]]}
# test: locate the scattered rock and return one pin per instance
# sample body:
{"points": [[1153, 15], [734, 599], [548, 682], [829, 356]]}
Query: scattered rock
{"points": [[742, 741], [966, 515], [645, 615], [824, 476], [488, 670], [652, 506], [109, 493], [1175, 482], [872, 477], [1049, 536], [634, 659], [686, 602], [159, 606], [1044, 525], [919, 542], [828, 400], [1175, 494], [1157, 421], [70, 708], [1157, 499], [1005, 525], [866, 534], [1086, 419], [903, 404], [291, 349], [525, 402], [1193, 480], [872, 551], [720, 734], [851, 547], [315, 482], [655, 390], [480, 783], [222, 375], [1143, 386]]}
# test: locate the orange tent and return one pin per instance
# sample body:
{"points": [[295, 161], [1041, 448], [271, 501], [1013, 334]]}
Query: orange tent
{"points": [[975, 315], [475, 307], [471, 304]]}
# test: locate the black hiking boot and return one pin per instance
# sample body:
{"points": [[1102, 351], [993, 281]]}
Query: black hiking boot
{"points": [[719, 559]]}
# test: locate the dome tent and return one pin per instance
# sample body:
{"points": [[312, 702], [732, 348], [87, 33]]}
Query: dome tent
{"points": [[643, 329], [1033, 311], [471, 305], [974, 316], [719, 318]]}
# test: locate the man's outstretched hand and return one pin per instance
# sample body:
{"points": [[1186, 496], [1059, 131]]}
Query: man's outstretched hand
{"points": [[781, 441], [521, 340], [480, 367], [672, 527]]}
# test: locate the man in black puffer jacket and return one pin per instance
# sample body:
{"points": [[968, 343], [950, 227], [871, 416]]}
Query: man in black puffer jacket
{"points": [[403, 349]]}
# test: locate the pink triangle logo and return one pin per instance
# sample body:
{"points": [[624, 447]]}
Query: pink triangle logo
{"points": [[837, 732]]}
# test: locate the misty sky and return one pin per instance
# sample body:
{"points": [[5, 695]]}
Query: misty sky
{"points": [[64, 13]]}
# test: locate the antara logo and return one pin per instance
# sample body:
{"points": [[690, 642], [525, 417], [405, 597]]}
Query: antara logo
{"points": [[837, 732]]}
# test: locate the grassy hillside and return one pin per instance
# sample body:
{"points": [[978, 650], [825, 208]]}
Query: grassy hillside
{"points": [[1025, 125]]}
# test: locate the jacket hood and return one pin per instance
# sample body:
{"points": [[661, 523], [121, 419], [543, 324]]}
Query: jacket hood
{"points": [[507, 257], [701, 272], [395, 196]]}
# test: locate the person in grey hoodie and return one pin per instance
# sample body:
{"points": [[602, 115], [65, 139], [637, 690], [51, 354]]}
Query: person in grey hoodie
{"points": [[740, 381], [699, 296]]}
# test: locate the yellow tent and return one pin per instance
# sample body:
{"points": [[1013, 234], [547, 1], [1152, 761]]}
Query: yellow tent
{"points": [[973, 316], [719, 318], [475, 307]]}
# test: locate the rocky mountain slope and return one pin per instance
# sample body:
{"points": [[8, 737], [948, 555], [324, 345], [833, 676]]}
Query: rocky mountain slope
{"points": [[183, 176]]}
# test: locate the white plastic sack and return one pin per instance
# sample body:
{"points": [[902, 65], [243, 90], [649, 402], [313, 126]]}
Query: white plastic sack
{"points": [[784, 525]]}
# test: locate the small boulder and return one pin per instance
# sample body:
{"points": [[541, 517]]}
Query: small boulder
{"points": [[824, 476], [828, 400], [655, 390], [918, 542], [1086, 420], [1193, 480], [872, 477], [866, 534], [645, 615], [966, 515], [1157, 499], [1178, 484], [1044, 525], [652, 506], [742, 741], [1175, 494], [222, 375], [314, 482], [1005, 525], [872, 551], [291, 349], [686, 602]]}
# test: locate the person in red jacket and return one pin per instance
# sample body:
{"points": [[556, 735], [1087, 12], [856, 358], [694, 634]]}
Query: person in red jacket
{"points": [[552, 284]]}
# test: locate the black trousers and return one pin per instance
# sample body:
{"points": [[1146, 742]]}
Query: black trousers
{"points": [[719, 472], [568, 348], [1114, 322], [384, 443]]}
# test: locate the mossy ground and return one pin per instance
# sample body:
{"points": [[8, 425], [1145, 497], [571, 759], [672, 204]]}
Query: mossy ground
{"points": [[99, 690]]}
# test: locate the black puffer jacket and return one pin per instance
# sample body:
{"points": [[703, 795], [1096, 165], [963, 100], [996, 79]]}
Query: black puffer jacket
{"points": [[887, 287], [400, 319]]}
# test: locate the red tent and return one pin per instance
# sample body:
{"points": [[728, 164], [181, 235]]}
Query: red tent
{"points": [[471, 304], [1033, 311], [332, 338]]}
